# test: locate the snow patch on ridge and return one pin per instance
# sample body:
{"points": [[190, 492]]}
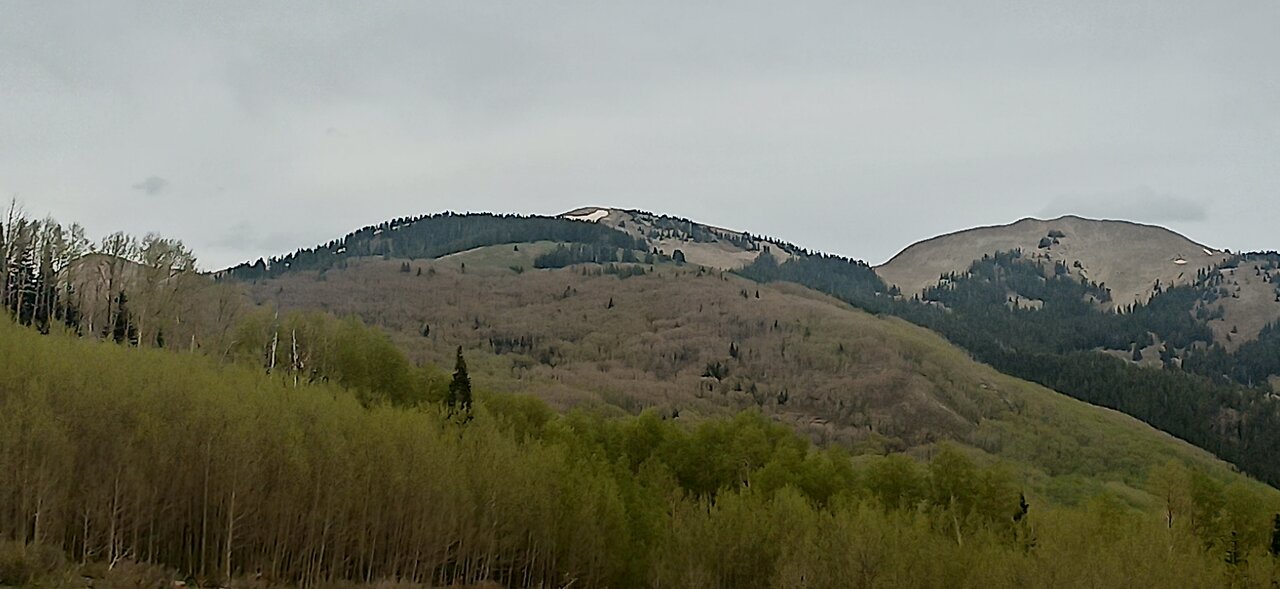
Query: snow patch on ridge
{"points": [[592, 217]]}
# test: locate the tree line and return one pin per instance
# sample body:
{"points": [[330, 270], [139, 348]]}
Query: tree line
{"points": [[141, 291], [432, 236]]}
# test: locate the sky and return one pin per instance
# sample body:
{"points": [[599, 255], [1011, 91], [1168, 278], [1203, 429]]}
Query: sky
{"points": [[249, 129]]}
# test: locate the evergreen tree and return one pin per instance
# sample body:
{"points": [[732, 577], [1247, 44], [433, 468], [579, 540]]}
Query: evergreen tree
{"points": [[459, 398], [1023, 508], [1275, 537], [122, 330]]}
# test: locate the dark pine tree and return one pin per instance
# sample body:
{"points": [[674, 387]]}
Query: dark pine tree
{"points": [[459, 398], [123, 331], [1275, 537]]}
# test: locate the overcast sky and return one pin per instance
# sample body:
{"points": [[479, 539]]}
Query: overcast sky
{"points": [[249, 129]]}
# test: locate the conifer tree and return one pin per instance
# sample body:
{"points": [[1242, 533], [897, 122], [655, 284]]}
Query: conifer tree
{"points": [[122, 330], [459, 398], [1275, 537]]}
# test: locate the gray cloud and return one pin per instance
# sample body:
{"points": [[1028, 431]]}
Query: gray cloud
{"points": [[1139, 204], [153, 185], [852, 127]]}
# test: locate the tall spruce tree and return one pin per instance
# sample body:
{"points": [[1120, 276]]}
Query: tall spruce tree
{"points": [[459, 398], [1275, 537]]}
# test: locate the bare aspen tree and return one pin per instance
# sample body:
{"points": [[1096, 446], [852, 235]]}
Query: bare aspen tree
{"points": [[119, 250], [163, 287]]}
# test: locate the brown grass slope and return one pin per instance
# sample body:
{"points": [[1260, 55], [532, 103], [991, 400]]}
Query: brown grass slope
{"points": [[1249, 305], [1129, 258], [578, 339]]}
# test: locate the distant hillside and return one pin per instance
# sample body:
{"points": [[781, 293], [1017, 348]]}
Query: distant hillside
{"points": [[1048, 314], [606, 235], [705, 245], [1130, 259], [689, 341], [1131, 263], [433, 236]]}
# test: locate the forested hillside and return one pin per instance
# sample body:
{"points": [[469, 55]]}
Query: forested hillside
{"points": [[1041, 321], [433, 236], [688, 342], [138, 467], [1036, 322]]}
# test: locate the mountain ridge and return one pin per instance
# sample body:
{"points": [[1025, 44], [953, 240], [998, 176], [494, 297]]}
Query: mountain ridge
{"points": [[1133, 259]]}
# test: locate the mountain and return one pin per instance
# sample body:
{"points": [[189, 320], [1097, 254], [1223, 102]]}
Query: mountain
{"points": [[1134, 263], [1034, 316], [1129, 258], [1048, 314], [689, 341], [705, 245], [994, 417]]}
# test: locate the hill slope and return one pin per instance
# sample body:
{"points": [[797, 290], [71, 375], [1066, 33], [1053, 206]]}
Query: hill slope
{"points": [[689, 341], [144, 468], [705, 245], [1129, 258]]}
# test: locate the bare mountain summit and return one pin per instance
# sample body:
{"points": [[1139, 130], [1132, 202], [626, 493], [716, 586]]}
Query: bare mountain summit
{"points": [[1131, 259]]}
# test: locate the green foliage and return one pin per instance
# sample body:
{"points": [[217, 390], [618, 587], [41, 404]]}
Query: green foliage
{"points": [[851, 280], [24, 565], [600, 253], [174, 461], [312, 347]]}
